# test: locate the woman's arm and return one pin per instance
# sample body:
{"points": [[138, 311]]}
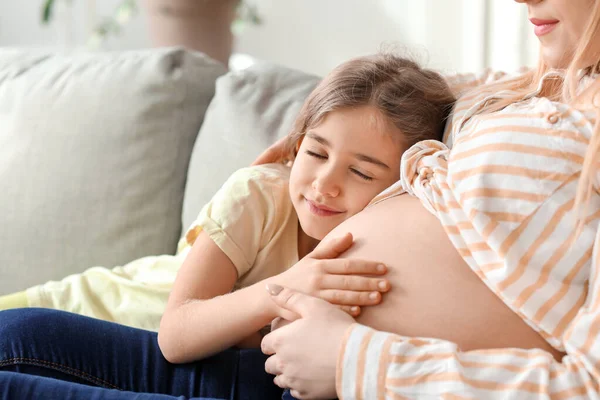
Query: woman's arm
{"points": [[429, 367]]}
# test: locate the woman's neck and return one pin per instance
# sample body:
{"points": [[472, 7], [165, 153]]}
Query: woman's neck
{"points": [[306, 244]]}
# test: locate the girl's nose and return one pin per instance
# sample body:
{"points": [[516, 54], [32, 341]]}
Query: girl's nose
{"points": [[327, 185]]}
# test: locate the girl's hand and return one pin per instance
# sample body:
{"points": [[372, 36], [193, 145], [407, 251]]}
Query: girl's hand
{"points": [[273, 154], [338, 281], [304, 353]]}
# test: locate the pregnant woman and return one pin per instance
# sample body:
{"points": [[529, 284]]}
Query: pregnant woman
{"points": [[495, 244]]}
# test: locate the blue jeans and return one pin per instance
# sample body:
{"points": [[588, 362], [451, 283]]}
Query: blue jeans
{"points": [[53, 354]]}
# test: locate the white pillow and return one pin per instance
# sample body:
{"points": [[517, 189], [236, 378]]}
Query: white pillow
{"points": [[94, 151]]}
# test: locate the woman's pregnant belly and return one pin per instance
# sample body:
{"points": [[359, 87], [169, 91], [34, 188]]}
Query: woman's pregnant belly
{"points": [[434, 293]]}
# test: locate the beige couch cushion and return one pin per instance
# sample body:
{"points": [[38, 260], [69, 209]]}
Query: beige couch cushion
{"points": [[94, 152], [250, 110]]}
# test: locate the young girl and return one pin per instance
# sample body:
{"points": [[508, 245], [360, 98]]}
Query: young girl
{"points": [[346, 147], [381, 102]]}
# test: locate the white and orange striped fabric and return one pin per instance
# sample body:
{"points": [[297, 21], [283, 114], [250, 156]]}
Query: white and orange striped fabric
{"points": [[505, 194]]}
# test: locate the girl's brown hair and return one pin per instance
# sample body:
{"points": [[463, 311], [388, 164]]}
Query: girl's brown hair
{"points": [[417, 101]]}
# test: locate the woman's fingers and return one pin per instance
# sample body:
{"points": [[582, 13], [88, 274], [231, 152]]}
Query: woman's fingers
{"points": [[353, 282], [273, 154], [272, 366], [347, 266], [279, 380], [279, 323], [350, 298]]}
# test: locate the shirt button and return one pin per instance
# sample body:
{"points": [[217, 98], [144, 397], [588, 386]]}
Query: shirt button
{"points": [[553, 118]]}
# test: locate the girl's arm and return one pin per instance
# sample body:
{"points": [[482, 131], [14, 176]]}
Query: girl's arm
{"points": [[202, 316]]}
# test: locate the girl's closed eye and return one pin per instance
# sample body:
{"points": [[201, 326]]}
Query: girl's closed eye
{"points": [[361, 175], [354, 171], [316, 155]]}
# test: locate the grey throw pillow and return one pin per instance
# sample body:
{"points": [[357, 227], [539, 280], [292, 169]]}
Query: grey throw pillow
{"points": [[251, 110], [94, 151]]}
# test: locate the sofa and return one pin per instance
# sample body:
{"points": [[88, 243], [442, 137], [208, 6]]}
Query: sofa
{"points": [[107, 157]]}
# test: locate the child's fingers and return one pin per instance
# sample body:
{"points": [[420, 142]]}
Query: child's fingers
{"points": [[353, 311], [350, 298], [354, 283], [345, 266], [332, 248]]}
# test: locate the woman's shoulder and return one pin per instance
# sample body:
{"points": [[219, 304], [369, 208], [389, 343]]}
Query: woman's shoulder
{"points": [[462, 83], [531, 109], [483, 85]]}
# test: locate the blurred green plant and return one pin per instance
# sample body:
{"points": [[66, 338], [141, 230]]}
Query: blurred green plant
{"points": [[247, 13]]}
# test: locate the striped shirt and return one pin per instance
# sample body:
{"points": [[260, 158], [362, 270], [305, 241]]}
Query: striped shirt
{"points": [[505, 195]]}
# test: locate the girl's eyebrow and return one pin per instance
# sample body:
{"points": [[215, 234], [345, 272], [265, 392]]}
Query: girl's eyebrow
{"points": [[362, 157], [313, 135]]}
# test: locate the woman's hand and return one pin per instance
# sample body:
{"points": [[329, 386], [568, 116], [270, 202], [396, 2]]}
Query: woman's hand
{"points": [[321, 274], [273, 154], [304, 353]]}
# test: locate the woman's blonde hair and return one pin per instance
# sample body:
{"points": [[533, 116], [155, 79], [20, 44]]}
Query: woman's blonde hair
{"points": [[566, 90], [417, 101]]}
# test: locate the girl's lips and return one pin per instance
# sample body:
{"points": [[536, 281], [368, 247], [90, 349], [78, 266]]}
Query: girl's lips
{"points": [[320, 210], [543, 26]]}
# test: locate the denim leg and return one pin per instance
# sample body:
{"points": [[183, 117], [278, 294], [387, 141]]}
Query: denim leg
{"points": [[20, 386], [287, 395], [78, 349]]}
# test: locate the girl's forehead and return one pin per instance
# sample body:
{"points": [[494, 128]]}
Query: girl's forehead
{"points": [[365, 116], [356, 131], [367, 120]]}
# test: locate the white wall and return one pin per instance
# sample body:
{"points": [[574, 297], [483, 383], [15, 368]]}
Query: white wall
{"points": [[323, 33], [315, 35], [20, 25]]}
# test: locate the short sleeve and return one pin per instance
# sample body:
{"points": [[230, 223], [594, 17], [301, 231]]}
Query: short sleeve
{"points": [[242, 212]]}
